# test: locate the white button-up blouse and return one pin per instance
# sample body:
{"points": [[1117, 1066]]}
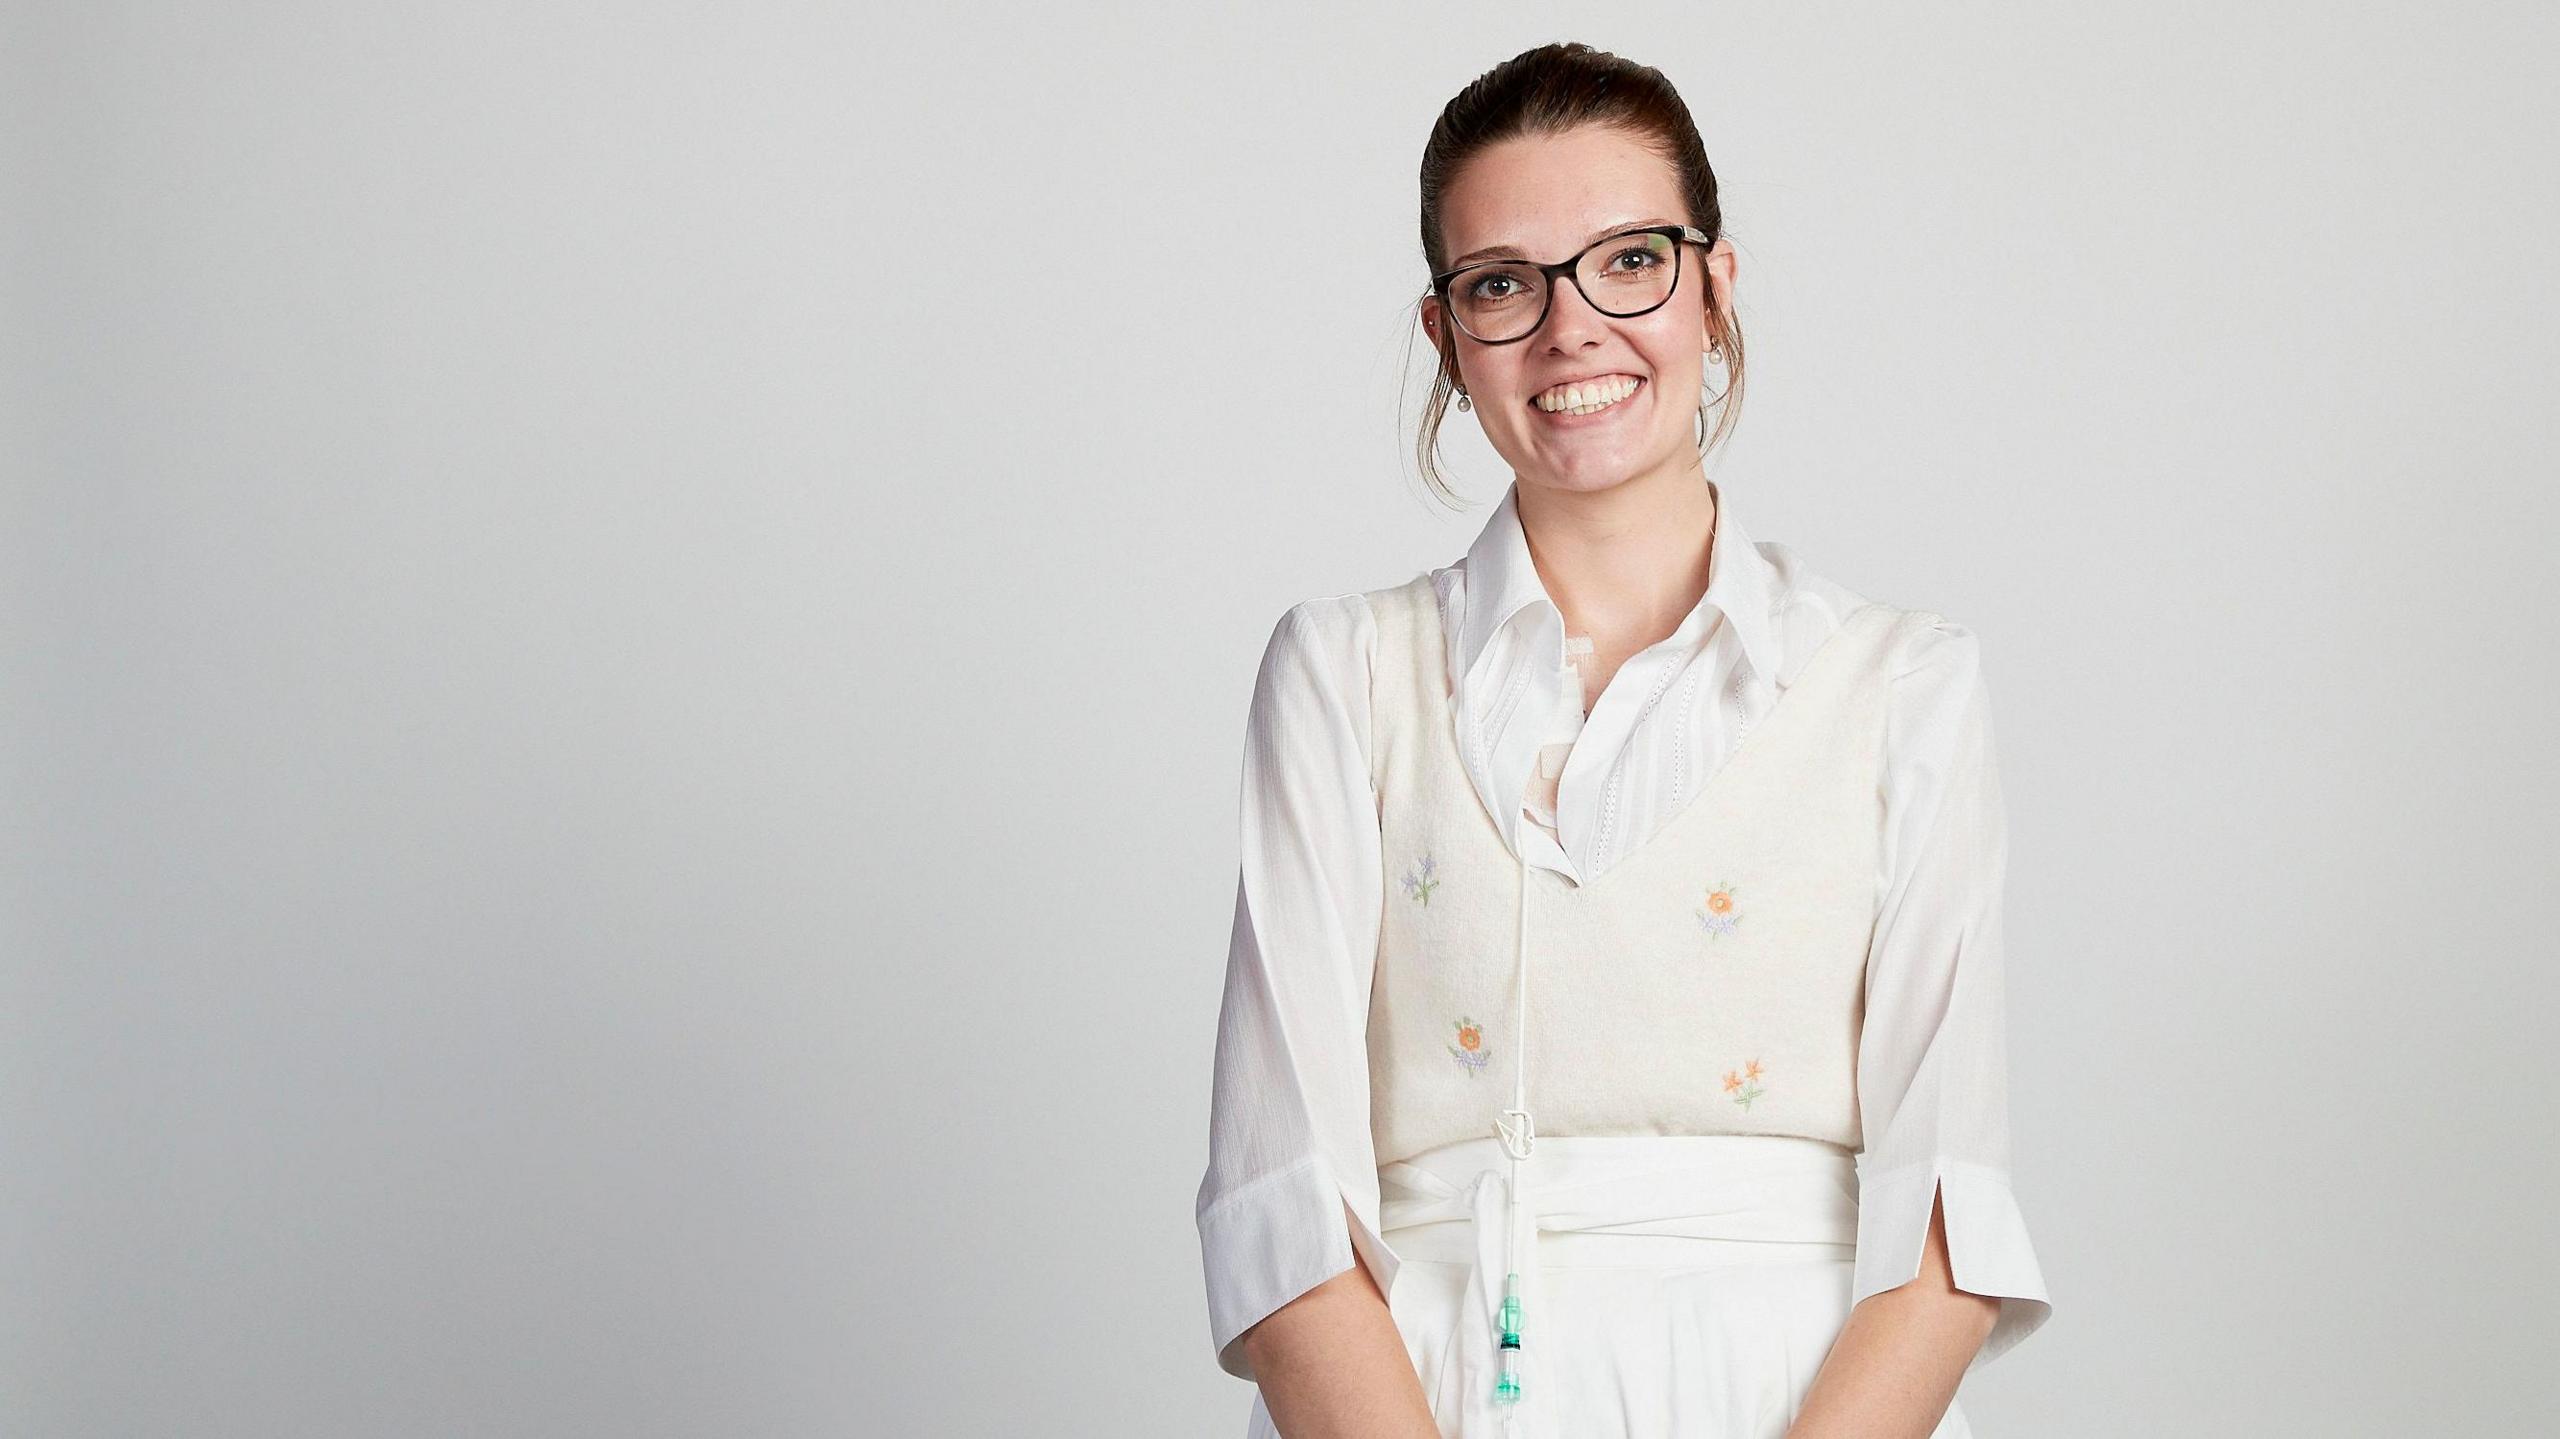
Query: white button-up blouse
{"points": [[1290, 1196]]}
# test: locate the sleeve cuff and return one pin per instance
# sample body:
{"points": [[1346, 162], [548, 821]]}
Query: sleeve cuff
{"points": [[1987, 1245], [1275, 1239]]}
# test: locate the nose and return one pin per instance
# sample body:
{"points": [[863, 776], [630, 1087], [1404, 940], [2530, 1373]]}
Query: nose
{"points": [[1571, 321]]}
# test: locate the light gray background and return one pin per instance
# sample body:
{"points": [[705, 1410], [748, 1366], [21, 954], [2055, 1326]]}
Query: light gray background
{"points": [[627, 630]]}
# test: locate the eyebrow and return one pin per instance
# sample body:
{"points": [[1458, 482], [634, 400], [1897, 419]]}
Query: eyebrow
{"points": [[1514, 252]]}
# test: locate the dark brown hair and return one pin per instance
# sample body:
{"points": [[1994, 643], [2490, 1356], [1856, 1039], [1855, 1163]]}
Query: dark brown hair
{"points": [[1548, 91]]}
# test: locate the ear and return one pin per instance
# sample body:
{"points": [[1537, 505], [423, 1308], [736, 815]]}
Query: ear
{"points": [[1722, 262], [1435, 323]]}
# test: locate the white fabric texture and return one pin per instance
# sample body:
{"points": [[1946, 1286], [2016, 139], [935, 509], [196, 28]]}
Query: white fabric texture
{"points": [[1685, 1287], [1291, 1195], [1735, 936]]}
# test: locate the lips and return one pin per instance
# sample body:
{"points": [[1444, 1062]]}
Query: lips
{"points": [[1591, 395]]}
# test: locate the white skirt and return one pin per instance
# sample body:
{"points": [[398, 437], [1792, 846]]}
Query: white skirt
{"points": [[1673, 1287]]}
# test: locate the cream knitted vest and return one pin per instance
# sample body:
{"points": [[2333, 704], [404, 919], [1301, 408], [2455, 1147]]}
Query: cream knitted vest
{"points": [[1711, 982]]}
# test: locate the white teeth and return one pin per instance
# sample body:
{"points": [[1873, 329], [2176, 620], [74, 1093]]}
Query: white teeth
{"points": [[1590, 397]]}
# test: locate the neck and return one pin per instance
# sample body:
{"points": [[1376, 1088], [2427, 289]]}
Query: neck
{"points": [[1628, 563]]}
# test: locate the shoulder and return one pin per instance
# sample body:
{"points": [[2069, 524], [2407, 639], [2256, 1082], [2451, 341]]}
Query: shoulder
{"points": [[1808, 607], [1939, 713], [1322, 635], [1935, 650], [1338, 627], [1342, 627], [1311, 694]]}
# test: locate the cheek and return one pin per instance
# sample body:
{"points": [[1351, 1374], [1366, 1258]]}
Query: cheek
{"points": [[1677, 358], [1681, 377], [1496, 373]]}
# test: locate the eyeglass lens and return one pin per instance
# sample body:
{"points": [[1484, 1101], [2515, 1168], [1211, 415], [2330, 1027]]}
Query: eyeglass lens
{"points": [[1623, 275]]}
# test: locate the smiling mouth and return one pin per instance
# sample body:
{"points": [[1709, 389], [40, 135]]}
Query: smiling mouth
{"points": [[1588, 397]]}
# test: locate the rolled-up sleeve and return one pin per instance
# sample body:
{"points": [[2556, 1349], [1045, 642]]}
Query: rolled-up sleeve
{"points": [[1933, 1088], [1290, 1196]]}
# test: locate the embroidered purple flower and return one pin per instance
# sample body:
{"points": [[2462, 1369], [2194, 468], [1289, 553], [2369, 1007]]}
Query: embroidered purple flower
{"points": [[1421, 879], [1469, 1050], [1719, 916]]}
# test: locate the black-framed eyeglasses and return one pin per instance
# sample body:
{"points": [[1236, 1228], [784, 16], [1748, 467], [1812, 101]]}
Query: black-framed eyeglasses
{"points": [[1620, 275]]}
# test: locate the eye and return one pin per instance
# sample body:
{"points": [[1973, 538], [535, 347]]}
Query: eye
{"points": [[1643, 253], [1478, 289]]}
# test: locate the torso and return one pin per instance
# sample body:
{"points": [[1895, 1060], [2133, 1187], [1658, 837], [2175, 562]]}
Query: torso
{"points": [[1710, 983]]}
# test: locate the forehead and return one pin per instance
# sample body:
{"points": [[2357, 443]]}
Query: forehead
{"points": [[1548, 195]]}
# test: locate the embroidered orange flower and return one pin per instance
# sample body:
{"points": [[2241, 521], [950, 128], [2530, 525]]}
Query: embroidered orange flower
{"points": [[1718, 916], [1473, 1055], [1744, 1087]]}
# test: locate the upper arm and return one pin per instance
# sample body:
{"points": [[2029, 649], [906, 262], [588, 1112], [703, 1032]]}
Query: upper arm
{"points": [[1290, 1192], [1933, 1080]]}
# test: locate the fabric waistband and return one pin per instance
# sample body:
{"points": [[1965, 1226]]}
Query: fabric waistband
{"points": [[1758, 1187], [1605, 1201]]}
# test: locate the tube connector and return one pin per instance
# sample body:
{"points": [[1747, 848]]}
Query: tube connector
{"points": [[1506, 1387]]}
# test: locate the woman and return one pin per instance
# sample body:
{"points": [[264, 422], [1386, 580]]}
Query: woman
{"points": [[1612, 1033]]}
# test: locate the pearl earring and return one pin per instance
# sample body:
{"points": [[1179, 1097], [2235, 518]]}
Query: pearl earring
{"points": [[1464, 404]]}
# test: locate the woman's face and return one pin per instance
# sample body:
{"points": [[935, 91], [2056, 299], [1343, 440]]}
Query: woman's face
{"points": [[1547, 197]]}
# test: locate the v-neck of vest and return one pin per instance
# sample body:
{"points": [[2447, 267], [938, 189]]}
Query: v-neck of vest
{"points": [[1689, 808]]}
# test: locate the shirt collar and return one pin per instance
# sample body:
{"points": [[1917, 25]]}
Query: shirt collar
{"points": [[1502, 581]]}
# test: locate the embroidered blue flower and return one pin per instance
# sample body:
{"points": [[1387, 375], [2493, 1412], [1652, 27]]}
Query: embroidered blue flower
{"points": [[1421, 879]]}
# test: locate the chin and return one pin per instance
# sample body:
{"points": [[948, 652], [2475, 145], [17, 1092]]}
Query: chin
{"points": [[1590, 473]]}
